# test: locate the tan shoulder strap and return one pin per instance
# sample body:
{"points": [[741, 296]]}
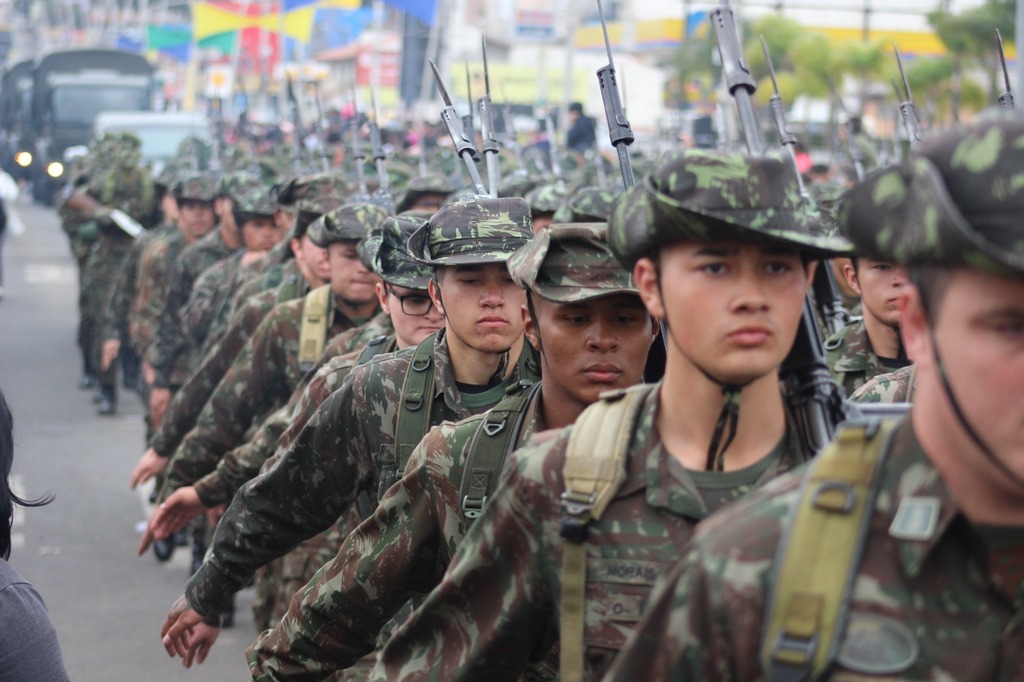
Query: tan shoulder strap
{"points": [[595, 468], [812, 579], [313, 331]]}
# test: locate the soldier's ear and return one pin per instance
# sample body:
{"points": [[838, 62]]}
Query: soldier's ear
{"points": [[434, 290], [915, 329], [648, 284], [530, 327]]}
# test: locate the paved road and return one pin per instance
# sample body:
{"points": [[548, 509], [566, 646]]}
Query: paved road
{"points": [[79, 551]]}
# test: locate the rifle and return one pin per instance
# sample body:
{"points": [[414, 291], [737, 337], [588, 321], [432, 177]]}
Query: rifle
{"points": [[1006, 97], [325, 157], [382, 196], [619, 132], [908, 112], [467, 120], [293, 106], [826, 291], [358, 156], [553, 151], [463, 146], [491, 147], [511, 142], [218, 133], [851, 148], [814, 399]]}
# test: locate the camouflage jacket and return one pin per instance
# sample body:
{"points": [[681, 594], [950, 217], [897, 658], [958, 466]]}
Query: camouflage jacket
{"points": [[400, 552], [117, 318], [933, 599], [850, 358], [893, 387], [499, 601], [171, 342], [202, 317], [260, 380], [155, 263], [188, 402], [280, 429], [335, 463]]}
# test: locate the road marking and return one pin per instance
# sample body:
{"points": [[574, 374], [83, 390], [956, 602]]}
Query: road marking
{"points": [[47, 273]]}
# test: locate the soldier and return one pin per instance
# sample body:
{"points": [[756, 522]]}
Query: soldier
{"points": [[383, 408], [592, 333], [424, 193], [920, 575], [544, 202], [870, 345], [891, 387], [168, 357], [588, 517]]}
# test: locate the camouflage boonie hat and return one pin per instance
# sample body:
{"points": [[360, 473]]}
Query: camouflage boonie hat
{"points": [[234, 185], [311, 192], [570, 262], [392, 260], [194, 186], [255, 201], [957, 201], [474, 229], [588, 205], [516, 185], [707, 196], [546, 198], [431, 183], [351, 222]]}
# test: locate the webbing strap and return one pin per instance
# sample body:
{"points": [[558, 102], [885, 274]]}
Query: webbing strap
{"points": [[812, 579], [313, 332], [415, 402], [376, 346], [594, 469], [489, 444]]}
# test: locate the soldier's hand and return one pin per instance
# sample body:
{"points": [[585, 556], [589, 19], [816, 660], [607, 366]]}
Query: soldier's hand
{"points": [[177, 629], [111, 348], [149, 466], [172, 515], [199, 643], [148, 373], [159, 399], [252, 256]]}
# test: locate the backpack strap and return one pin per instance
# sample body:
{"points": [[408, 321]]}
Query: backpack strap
{"points": [[378, 345], [812, 579], [414, 407], [595, 468], [313, 332], [495, 435]]}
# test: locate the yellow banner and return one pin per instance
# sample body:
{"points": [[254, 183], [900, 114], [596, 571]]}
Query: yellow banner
{"points": [[208, 20], [520, 84]]}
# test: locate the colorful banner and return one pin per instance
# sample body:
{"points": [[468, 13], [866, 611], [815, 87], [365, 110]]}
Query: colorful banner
{"points": [[209, 19], [424, 10], [535, 20]]}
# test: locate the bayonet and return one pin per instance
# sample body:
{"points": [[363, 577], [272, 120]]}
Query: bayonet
{"points": [[293, 104], [383, 194], [786, 138], [908, 112], [1006, 97], [619, 131], [358, 155], [554, 154], [325, 157], [851, 146], [510, 134], [464, 147], [490, 142], [467, 120]]}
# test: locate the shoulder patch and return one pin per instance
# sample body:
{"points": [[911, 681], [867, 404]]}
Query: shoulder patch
{"points": [[877, 645], [916, 519]]}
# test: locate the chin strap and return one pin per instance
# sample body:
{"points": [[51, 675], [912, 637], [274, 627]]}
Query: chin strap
{"points": [[725, 427], [951, 397]]}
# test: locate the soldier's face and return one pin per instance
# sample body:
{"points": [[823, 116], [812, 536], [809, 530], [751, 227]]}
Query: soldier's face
{"points": [[880, 287], [313, 258], [410, 330], [260, 234], [197, 217], [591, 346], [481, 305], [979, 334], [541, 221], [350, 280], [732, 309]]}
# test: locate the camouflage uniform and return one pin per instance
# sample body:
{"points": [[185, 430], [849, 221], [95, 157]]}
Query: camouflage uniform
{"points": [[850, 357], [930, 597], [267, 370], [500, 601], [891, 387], [587, 205], [403, 549], [317, 481], [170, 353]]}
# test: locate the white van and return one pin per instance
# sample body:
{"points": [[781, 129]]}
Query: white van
{"points": [[160, 131]]}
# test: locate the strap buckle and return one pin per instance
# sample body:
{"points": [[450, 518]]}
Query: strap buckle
{"points": [[472, 509], [793, 656]]}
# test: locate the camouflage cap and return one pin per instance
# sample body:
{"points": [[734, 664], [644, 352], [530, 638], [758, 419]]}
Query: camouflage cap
{"points": [[350, 222], [235, 184], [313, 193], [255, 201], [570, 262], [588, 205], [474, 229], [958, 201], [431, 183], [546, 198], [196, 186], [516, 185], [392, 260], [706, 196]]}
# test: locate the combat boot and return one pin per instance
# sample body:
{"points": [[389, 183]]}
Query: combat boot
{"points": [[107, 405]]}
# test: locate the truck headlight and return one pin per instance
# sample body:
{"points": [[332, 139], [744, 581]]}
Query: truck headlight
{"points": [[55, 169], [23, 159]]}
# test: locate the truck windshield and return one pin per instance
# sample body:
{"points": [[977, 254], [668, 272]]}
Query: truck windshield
{"points": [[79, 105]]}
